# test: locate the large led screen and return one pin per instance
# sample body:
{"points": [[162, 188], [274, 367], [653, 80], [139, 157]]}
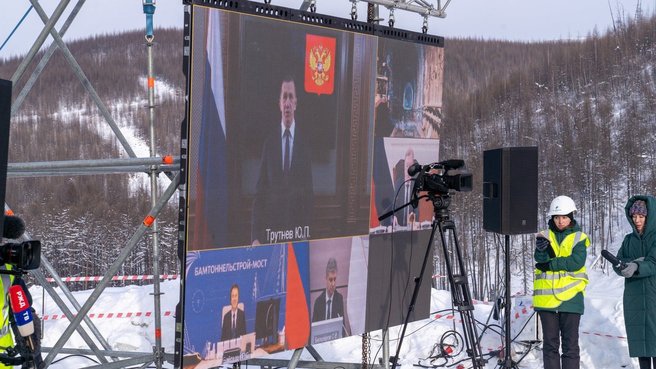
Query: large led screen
{"points": [[299, 131]]}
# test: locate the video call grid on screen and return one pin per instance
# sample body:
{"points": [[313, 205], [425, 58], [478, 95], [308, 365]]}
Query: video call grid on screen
{"points": [[273, 212]]}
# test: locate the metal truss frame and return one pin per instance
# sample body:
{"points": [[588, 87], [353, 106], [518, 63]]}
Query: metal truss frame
{"points": [[153, 166], [425, 8]]}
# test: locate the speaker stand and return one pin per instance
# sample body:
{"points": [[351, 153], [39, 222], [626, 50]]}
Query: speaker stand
{"points": [[508, 362]]}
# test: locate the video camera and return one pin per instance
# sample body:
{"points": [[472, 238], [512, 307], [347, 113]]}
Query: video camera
{"points": [[24, 255], [441, 177]]}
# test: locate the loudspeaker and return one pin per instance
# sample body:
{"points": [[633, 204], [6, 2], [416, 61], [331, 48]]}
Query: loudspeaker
{"points": [[510, 190], [5, 113]]}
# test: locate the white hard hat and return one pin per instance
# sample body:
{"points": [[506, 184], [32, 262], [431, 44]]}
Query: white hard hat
{"points": [[561, 205]]}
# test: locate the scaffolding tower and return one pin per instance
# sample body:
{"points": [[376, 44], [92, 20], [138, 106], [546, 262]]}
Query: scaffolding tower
{"points": [[153, 166]]}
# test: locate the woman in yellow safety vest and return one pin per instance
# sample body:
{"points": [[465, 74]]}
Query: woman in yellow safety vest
{"points": [[559, 284]]}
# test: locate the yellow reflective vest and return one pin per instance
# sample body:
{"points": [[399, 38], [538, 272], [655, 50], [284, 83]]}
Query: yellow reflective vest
{"points": [[6, 338], [551, 288]]}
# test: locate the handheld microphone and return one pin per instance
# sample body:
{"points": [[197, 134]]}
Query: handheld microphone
{"points": [[13, 227], [20, 306], [613, 260]]}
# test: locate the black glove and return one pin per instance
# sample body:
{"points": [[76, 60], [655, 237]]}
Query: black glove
{"points": [[551, 252], [542, 266], [543, 244]]}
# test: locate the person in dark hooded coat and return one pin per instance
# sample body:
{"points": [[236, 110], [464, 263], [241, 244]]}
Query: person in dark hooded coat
{"points": [[638, 254]]}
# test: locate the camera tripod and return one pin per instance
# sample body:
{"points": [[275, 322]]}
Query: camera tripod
{"points": [[460, 293]]}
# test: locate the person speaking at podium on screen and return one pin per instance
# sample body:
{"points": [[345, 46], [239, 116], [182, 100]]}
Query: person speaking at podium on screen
{"points": [[234, 321], [330, 304], [284, 191]]}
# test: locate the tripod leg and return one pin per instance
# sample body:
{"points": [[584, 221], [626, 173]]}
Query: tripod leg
{"points": [[461, 295], [415, 294]]}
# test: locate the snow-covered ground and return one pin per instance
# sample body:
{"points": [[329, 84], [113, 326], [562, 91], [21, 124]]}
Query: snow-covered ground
{"points": [[125, 318], [602, 334]]}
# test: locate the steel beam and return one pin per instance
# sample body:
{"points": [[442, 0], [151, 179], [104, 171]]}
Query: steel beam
{"points": [[308, 364], [91, 171], [419, 9], [106, 163]]}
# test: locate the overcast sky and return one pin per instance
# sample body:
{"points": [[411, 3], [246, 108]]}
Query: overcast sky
{"points": [[526, 20]]}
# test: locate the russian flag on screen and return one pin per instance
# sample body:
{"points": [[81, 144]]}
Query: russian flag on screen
{"points": [[297, 313], [319, 64], [212, 193]]}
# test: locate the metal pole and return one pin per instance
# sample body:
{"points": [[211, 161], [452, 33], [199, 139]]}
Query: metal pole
{"points": [[296, 356], [372, 14], [315, 354], [395, 4], [87, 171], [93, 163], [386, 360], [508, 362], [153, 189], [80, 351], [147, 359], [143, 227]]}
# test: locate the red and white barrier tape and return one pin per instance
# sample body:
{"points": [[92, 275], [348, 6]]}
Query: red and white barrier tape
{"points": [[525, 310], [603, 335], [137, 314], [115, 278]]}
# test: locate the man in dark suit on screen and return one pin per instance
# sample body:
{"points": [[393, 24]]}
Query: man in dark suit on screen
{"points": [[284, 191], [234, 321], [330, 304]]}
